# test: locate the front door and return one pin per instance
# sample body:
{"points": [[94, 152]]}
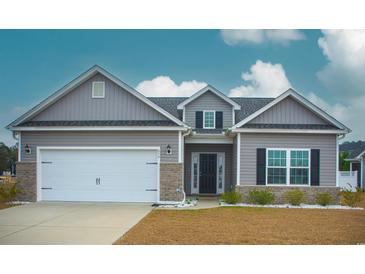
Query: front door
{"points": [[208, 173]]}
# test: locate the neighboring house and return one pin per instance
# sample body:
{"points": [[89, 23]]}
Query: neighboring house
{"points": [[357, 163], [98, 139]]}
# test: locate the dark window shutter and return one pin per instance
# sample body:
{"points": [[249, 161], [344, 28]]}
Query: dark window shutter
{"points": [[315, 166], [261, 166], [219, 119], [199, 119]]}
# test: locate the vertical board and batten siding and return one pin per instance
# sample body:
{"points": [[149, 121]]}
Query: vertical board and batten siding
{"points": [[118, 104], [189, 148], [208, 101], [326, 144], [101, 139], [288, 111]]}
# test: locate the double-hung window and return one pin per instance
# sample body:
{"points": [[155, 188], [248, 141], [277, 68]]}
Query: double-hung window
{"points": [[288, 167], [209, 119], [276, 167]]}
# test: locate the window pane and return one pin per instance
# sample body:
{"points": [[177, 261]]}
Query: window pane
{"points": [[276, 176], [299, 158], [209, 119], [299, 176], [277, 158]]}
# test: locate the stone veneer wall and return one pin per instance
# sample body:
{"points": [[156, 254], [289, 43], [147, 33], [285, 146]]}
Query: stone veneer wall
{"points": [[310, 192], [171, 178], [26, 177]]}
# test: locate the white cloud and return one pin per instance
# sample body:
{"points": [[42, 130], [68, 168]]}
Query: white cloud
{"points": [[344, 76], [164, 86], [285, 36], [344, 73], [263, 80]]}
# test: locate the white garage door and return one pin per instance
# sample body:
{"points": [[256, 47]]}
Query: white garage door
{"points": [[99, 175]]}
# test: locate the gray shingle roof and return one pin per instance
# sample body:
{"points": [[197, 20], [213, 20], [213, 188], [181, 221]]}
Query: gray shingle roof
{"points": [[248, 105], [97, 123], [356, 152], [169, 104], [289, 126], [208, 131]]}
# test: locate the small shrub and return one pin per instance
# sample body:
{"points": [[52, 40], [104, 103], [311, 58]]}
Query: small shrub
{"points": [[231, 197], [294, 197], [350, 198], [8, 192], [324, 199], [261, 197]]}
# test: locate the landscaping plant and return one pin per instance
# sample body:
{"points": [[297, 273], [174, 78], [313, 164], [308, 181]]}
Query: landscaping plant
{"points": [[261, 197], [231, 197], [324, 199], [8, 191], [294, 197], [350, 198]]}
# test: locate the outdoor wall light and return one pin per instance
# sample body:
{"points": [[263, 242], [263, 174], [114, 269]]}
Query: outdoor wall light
{"points": [[28, 150], [168, 149]]}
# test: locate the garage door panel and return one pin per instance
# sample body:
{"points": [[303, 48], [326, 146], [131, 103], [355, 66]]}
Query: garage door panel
{"points": [[99, 175]]}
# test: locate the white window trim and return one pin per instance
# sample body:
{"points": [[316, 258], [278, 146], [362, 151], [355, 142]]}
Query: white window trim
{"points": [[287, 167], [92, 90], [205, 111]]}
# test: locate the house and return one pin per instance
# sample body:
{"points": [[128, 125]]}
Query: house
{"points": [[98, 139], [357, 163]]}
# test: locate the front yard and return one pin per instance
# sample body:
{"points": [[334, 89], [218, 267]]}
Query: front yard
{"points": [[233, 225]]}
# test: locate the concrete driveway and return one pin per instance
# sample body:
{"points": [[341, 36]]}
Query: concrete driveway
{"points": [[69, 223]]}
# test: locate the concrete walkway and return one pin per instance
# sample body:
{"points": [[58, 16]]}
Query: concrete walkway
{"points": [[69, 223]]}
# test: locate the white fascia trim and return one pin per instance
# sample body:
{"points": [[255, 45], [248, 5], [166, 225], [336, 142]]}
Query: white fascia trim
{"points": [[297, 131], [302, 100], [99, 128], [358, 157], [204, 90], [80, 79], [238, 168], [208, 141]]}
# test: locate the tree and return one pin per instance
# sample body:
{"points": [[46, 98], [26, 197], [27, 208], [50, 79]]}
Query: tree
{"points": [[344, 165], [8, 157]]}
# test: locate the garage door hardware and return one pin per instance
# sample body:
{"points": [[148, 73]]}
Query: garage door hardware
{"points": [[49, 188], [151, 163], [151, 189], [44, 162]]}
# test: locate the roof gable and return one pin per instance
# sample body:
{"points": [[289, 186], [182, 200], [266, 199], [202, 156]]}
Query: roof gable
{"points": [[299, 99], [289, 111], [77, 82], [209, 88]]}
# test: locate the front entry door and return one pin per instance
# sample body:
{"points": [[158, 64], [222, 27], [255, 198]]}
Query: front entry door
{"points": [[208, 173]]}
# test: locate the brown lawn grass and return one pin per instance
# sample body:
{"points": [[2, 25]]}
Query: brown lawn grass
{"points": [[249, 226], [5, 205]]}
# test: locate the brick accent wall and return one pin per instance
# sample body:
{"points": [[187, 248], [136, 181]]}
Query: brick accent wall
{"points": [[171, 178], [310, 192], [26, 177]]}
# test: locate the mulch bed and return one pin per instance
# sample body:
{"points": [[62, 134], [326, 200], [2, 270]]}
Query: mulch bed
{"points": [[233, 225]]}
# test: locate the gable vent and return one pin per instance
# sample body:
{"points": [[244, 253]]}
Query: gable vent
{"points": [[98, 90]]}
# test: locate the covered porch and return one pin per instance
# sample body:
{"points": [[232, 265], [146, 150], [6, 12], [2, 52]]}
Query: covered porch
{"points": [[208, 169]]}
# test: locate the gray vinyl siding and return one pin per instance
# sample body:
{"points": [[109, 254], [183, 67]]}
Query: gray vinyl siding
{"points": [[326, 144], [189, 148], [208, 101], [363, 172], [118, 104], [288, 111], [162, 139]]}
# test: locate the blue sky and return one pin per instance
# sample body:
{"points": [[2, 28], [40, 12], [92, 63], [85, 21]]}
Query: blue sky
{"points": [[35, 63]]}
